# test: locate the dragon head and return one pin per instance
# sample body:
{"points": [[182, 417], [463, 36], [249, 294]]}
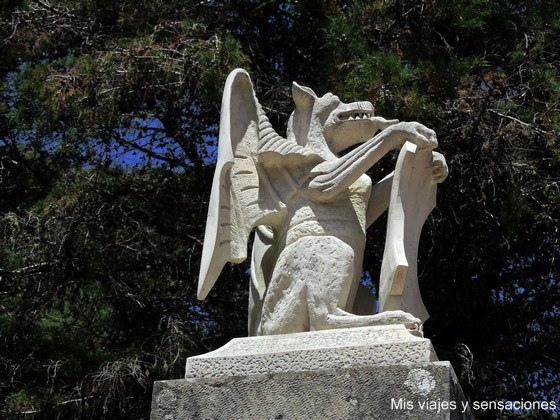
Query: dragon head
{"points": [[327, 121]]}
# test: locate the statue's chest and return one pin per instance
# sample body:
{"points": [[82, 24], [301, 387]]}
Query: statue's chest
{"points": [[346, 212]]}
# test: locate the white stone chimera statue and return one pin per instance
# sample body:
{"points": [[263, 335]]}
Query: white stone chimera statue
{"points": [[311, 206]]}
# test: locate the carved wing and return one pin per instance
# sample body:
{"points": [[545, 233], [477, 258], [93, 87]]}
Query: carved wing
{"points": [[242, 196]]}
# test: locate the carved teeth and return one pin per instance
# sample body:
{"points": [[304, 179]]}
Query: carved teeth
{"points": [[355, 116]]}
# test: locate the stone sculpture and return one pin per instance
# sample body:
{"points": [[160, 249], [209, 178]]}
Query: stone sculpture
{"points": [[310, 202]]}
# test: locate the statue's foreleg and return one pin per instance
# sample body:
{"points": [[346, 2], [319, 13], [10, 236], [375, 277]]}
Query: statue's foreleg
{"points": [[332, 177]]}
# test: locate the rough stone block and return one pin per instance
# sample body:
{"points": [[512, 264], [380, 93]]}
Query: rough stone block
{"points": [[410, 391], [312, 351], [366, 373]]}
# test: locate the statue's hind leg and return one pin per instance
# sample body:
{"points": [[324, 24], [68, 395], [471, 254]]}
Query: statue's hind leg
{"points": [[306, 286], [331, 268], [284, 308]]}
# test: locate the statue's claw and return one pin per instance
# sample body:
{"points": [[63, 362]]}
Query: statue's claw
{"points": [[400, 317], [416, 327], [439, 167]]}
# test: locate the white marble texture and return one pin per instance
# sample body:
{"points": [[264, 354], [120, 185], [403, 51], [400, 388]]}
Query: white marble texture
{"points": [[313, 351], [310, 202]]}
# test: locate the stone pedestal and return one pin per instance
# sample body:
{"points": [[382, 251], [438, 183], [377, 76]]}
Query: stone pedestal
{"points": [[373, 372]]}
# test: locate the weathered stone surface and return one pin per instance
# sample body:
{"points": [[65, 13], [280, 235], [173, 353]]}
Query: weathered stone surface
{"points": [[313, 351], [404, 391], [311, 202]]}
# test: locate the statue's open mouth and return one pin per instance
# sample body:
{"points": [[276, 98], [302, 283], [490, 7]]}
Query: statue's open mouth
{"points": [[358, 114]]}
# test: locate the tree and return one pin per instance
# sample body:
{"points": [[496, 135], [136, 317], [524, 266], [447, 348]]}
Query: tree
{"points": [[108, 126]]}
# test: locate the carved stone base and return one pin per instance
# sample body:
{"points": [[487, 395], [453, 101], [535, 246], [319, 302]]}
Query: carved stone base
{"points": [[373, 372], [313, 351]]}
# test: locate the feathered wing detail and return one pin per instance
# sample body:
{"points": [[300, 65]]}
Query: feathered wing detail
{"points": [[271, 142], [242, 196]]}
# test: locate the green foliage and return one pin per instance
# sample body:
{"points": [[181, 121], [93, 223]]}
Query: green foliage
{"points": [[108, 127], [34, 106], [98, 314]]}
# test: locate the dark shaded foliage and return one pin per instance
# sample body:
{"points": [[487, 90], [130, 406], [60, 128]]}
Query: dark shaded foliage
{"points": [[108, 126]]}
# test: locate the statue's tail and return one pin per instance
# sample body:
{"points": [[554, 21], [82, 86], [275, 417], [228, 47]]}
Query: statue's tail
{"points": [[413, 196], [262, 264]]}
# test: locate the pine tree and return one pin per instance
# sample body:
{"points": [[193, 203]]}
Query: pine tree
{"points": [[109, 114]]}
